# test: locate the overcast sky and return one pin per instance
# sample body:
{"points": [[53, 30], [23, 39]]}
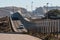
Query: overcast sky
{"points": [[27, 3]]}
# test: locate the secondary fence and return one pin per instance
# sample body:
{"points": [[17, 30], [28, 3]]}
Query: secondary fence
{"points": [[48, 26]]}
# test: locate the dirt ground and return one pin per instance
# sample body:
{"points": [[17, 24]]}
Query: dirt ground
{"points": [[4, 36]]}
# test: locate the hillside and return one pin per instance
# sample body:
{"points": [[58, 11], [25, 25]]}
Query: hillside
{"points": [[6, 11]]}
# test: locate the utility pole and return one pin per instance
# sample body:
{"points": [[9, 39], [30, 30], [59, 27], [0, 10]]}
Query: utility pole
{"points": [[47, 9], [32, 6], [47, 6]]}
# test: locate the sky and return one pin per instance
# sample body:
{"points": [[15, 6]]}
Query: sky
{"points": [[27, 3]]}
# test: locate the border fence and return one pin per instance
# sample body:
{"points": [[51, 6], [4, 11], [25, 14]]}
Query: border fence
{"points": [[48, 26]]}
